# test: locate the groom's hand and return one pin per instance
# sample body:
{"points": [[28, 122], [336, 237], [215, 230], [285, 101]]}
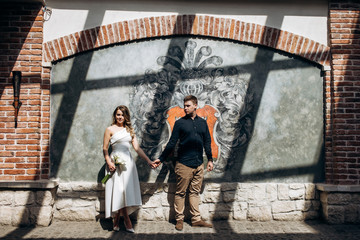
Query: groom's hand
{"points": [[210, 166], [156, 163]]}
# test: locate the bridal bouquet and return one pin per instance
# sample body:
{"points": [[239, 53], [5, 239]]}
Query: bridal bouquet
{"points": [[118, 161]]}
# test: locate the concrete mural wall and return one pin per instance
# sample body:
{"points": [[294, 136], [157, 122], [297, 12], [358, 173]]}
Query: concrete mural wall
{"points": [[264, 109]]}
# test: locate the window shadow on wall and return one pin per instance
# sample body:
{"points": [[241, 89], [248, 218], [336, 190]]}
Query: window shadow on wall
{"points": [[69, 105], [77, 83], [16, 22]]}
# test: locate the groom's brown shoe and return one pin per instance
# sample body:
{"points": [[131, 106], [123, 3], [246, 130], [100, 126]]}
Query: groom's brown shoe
{"points": [[202, 223], [179, 225]]}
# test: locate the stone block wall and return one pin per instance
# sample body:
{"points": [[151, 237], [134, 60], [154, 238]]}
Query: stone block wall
{"points": [[27, 203], [340, 204], [234, 201], [41, 202], [79, 201]]}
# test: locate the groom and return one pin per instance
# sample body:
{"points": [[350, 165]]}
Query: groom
{"points": [[194, 136]]}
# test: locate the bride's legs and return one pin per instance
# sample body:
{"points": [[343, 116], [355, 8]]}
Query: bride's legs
{"points": [[127, 220], [116, 219]]}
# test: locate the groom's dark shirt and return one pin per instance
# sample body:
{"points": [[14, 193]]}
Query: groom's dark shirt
{"points": [[194, 136]]}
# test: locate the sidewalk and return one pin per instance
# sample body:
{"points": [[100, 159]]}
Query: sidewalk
{"points": [[157, 230]]}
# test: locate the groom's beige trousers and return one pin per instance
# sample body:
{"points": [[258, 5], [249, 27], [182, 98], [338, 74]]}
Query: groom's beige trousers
{"points": [[187, 177]]}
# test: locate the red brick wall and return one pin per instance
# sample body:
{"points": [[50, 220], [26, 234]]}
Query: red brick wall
{"points": [[184, 25], [343, 164], [23, 150]]}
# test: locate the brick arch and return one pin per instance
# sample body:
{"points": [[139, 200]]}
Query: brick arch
{"points": [[174, 25]]}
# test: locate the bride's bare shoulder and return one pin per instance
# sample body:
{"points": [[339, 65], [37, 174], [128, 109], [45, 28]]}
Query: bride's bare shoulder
{"points": [[110, 129]]}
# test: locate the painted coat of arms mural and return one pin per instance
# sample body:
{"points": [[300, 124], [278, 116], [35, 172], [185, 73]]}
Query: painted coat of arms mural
{"points": [[263, 108], [224, 100]]}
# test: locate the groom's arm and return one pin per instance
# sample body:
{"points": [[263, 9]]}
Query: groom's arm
{"points": [[172, 142], [207, 143]]}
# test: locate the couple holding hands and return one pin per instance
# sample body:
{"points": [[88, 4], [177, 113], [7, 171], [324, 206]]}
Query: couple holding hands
{"points": [[122, 189]]}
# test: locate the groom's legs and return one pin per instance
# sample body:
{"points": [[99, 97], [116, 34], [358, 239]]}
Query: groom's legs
{"points": [[194, 193], [183, 178]]}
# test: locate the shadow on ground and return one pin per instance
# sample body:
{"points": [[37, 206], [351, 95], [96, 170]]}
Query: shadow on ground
{"points": [[165, 230]]}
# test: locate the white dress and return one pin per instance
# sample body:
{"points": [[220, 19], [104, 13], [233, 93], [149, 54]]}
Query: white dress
{"points": [[123, 188]]}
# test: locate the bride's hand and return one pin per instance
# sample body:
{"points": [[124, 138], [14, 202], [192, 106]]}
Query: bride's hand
{"points": [[156, 163], [151, 164], [111, 166]]}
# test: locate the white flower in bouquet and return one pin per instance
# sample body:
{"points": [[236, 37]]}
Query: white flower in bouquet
{"points": [[118, 161]]}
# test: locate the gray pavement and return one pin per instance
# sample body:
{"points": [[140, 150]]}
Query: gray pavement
{"points": [[224, 230]]}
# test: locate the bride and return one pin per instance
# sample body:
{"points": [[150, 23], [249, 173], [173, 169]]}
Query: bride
{"points": [[122, 189]]}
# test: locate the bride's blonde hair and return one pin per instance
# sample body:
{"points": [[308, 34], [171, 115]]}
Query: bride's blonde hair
{"points": [[127, 122]]}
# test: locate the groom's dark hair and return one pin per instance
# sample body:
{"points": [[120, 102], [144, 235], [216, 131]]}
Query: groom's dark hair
{"points": [[191, 98]]}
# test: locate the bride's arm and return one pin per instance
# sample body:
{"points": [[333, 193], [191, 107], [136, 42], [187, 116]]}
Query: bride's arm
{"points": [[140, 152], [110, 164]]}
